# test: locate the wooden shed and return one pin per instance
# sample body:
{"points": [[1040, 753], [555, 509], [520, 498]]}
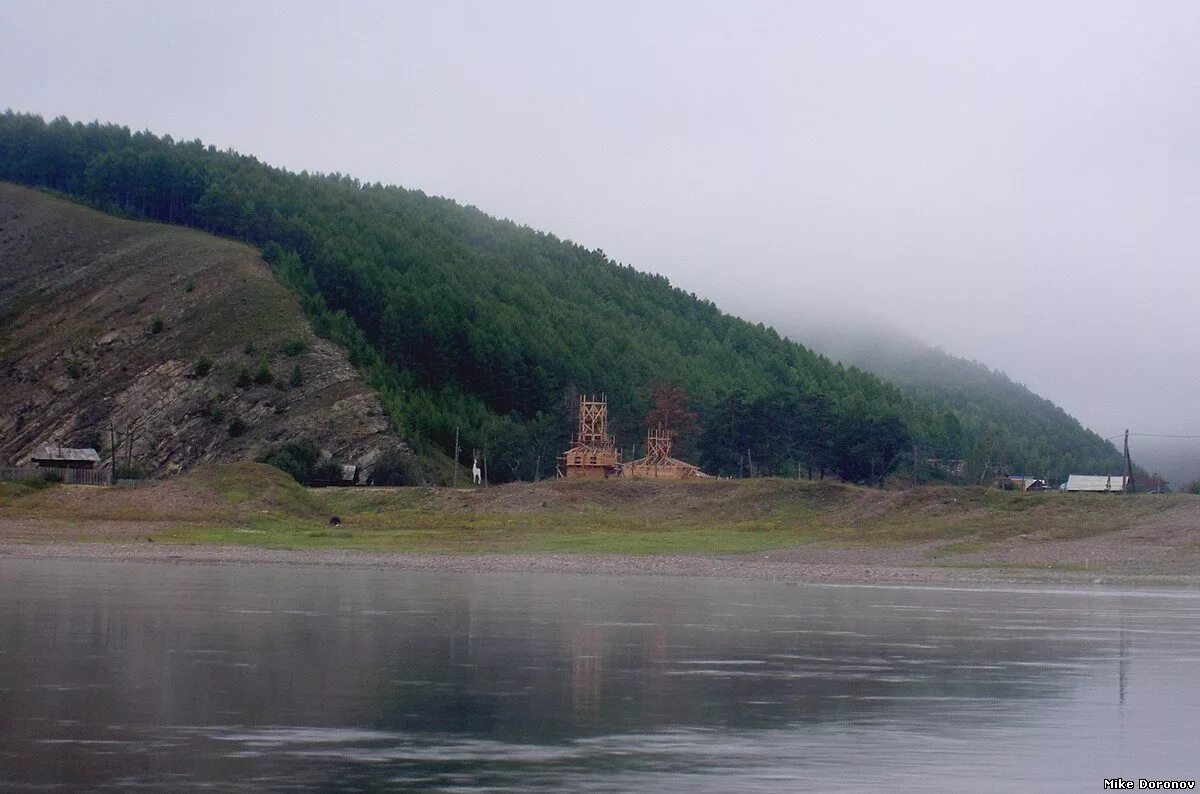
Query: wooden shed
{"points": [[658, 463], [65, 458]]}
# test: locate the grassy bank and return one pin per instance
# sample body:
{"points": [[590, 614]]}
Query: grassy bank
{"points": [[254, 505]]}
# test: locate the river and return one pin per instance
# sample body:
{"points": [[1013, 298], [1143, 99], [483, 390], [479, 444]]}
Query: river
{"points": [[125, 675]]}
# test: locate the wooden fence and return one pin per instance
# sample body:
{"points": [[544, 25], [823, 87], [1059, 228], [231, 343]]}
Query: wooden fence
{"points": [[69, 476]]}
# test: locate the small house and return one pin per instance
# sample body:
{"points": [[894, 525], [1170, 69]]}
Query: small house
{"points": [[65, 458], [1020, 482]]}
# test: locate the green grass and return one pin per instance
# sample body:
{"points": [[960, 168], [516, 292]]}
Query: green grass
{"points": [[256, 505], [10, 492], [419, 531]]}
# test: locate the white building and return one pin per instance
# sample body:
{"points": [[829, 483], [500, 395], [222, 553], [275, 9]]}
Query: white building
{"points": [[1095, 483]]}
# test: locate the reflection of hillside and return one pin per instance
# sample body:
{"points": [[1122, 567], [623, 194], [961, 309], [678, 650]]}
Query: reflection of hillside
{"points": [[196, 667], [624, 660]]}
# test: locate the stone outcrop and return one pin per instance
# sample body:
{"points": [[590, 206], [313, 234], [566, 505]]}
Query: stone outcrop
{"points": [[113, 329]]}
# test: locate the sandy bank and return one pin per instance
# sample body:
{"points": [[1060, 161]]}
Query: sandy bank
{"points": [[760, 567]]}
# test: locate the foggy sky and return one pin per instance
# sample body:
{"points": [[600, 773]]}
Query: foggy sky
{"points": [[1018, 183]]}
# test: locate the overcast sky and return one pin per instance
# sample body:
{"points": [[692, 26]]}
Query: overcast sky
{"points": [[1018, 183]]}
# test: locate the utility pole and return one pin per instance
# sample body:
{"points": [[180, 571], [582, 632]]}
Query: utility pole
{"points": [[987, 459], [456, 452], [1129, 487]]}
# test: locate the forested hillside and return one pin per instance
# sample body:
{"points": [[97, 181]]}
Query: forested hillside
{"points": [[462, 320], [1005, 421]]}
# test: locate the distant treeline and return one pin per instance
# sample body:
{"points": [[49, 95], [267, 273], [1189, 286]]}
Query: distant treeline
{"points": [[464, 321], [1005, 423]]}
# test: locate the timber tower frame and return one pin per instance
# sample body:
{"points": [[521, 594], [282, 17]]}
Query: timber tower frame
{"points": [[593, 453]]}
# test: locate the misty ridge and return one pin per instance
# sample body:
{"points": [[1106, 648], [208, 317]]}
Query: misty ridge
{"points": [[927, 371]]}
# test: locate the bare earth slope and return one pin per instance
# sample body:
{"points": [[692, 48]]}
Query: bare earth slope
{"points": [[80, 296]]}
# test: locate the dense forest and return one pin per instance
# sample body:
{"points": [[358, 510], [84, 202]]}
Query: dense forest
{"points": [[463, 321], [1011, 426]]}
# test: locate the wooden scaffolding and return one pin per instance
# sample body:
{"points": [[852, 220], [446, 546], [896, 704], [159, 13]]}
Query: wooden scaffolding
{"points": [[593, 453], [658, 463]]}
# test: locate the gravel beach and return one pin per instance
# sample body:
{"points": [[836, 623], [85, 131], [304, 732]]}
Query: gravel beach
{"points": [[787, 566]]}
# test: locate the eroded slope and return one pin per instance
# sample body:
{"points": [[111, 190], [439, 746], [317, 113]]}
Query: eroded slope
{"points": [[103, 324]]}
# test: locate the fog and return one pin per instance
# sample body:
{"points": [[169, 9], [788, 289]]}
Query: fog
{"points": [[1017, 183]]}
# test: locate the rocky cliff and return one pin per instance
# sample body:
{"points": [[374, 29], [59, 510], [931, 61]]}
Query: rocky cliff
{"points": [[181, 343]]}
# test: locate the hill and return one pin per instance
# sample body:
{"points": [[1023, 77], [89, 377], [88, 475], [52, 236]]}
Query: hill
{"points": [[465, 322], [1006, 422], [109, 323]]}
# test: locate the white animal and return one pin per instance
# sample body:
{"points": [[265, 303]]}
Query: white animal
{"points": [[476, 474]]}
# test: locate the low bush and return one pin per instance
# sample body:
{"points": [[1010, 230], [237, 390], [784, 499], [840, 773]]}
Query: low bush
{"points": [[262, 375], [328, 471], [131, 471], [299, 457], [396, 467], [37, 483]]}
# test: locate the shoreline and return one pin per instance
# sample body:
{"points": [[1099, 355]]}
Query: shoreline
{"points": [[757, 567]]}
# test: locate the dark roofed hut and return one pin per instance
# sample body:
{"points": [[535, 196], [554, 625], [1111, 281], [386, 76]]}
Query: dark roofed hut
{"points": [[65, 458]]}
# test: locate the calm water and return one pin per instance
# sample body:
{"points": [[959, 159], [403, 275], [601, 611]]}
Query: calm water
{"points": [[126, 675]]}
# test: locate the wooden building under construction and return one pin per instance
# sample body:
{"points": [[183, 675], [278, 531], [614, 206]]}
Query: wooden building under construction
{"points": [[593, 453], [658, 463]]}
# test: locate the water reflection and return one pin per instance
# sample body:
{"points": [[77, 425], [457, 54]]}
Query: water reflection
{"points": [[124, 675]]}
